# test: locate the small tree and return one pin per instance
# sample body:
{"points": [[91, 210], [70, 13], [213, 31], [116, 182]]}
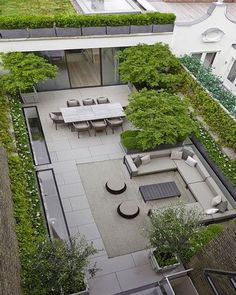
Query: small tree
{"points": [[151, 66], [59, 267], [172, 228], [162, 118], [24, 71]]}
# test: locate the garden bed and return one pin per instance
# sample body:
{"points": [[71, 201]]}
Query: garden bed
{"points": [[42, 7]]}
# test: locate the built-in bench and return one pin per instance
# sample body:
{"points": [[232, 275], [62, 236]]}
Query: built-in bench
{"points": [[197, 179]]}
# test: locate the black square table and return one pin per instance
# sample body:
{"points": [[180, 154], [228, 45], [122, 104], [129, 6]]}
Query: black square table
{"points": [[157, 191]]}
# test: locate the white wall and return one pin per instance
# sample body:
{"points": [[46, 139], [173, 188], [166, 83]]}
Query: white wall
{"points": [[187, 38], [47, 44]]}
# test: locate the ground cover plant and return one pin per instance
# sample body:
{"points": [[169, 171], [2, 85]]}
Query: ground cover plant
{"points": [[211, 82], [35, 7], [151, 66], [227, 165], [217, 119], [30, 227], [159, 117]]}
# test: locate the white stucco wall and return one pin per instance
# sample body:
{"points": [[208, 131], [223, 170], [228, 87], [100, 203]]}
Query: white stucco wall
{"points": [[187, 38], [47, 44]]}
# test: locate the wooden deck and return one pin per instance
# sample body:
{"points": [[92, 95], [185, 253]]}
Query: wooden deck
{"points": [[189, 11]]}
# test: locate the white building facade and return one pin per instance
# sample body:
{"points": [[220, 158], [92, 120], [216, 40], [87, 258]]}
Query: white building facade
{"points": [[211, 38]]}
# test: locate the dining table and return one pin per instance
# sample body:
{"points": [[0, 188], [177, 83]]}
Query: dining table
{"points": [[92, 112]]}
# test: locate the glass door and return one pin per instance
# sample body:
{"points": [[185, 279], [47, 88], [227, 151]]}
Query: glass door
{"points": [[84, 67], [110, 64]]}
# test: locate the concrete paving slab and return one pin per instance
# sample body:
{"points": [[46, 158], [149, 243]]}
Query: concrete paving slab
{"points": [[79, 217], [104, 285]]}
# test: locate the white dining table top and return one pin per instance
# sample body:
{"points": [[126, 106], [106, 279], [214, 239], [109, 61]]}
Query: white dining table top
{"points": [[92, 112]]}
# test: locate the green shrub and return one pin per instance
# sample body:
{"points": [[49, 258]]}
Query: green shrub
{"points": [[30, 227], [151, 66], [160, 117], [227, 165], [211, 111], [24, 71], [75, 21], [200, 239], [211, 82], [129, 139], [57, 265]]}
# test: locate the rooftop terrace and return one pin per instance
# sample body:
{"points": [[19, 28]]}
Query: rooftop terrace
{"points": [[42, 7]]}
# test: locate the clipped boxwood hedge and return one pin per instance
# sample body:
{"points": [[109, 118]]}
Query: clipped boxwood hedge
{"points": [[75, 21]]}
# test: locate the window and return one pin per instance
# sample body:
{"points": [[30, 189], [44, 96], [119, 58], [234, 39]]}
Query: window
{"points": [[207, 58], [232, 73]]}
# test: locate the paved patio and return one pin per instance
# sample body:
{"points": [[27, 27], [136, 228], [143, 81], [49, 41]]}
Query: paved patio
{"points": [[67, 151]]}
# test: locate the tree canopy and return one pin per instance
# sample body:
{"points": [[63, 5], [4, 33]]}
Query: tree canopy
{"points": [[59, 265], [151, 66], [160, 117], [24, 70], [172, 228]]}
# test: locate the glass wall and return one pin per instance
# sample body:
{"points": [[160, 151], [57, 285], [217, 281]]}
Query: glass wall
{"points": [[110, 63], [37, 140], [62, 79], [52, 205], [84, 67]]}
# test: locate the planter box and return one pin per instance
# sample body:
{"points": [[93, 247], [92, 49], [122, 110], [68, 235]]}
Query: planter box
{"points": [[119, 30], [140, 29], [14, 34], [47, 32], [68, 32], [157, 148], [90, 31], [162, 28], [156, 267], [30, 97]]}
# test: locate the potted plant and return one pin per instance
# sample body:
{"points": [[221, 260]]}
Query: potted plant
{"points": [[23, 72], [58, 267], [170, 233], [163, 261], [162, 120]]}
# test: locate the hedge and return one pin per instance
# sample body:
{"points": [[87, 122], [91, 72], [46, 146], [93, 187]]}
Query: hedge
{"points": [[210, 82], [227, 165], [74, 21], [30, 227], [218, 120]]}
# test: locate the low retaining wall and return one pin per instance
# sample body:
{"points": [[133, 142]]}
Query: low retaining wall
{"points": [[228, 185]]}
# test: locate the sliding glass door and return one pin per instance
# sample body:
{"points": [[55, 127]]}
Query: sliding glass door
{"points": [[84, 67], [110, 64]]}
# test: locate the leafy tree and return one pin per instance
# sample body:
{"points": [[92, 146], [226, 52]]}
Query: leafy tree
{"points": [[172, 228], [24, 70], [162, 118], [59, 267], [151, 66]]}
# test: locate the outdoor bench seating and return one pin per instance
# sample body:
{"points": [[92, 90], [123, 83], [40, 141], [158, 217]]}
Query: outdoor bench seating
{"points": [[197, 179]]}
